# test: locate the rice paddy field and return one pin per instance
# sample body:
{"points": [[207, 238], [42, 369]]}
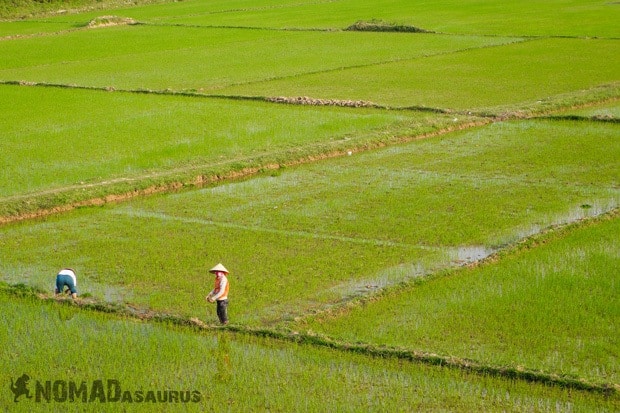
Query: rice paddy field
{"points": [[417, 202]]}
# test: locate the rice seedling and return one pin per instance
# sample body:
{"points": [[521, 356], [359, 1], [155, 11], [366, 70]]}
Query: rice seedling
{"points": [[82, 361], [208, 59], [21, 28], [361, 248], [141, 253], [134, 140], [330, 230], [485, 79], [572, 18], [554, 307]]}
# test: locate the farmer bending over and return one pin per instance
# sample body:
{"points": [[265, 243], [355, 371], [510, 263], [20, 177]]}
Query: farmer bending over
{"points": [[219, 294], [66, 278]]}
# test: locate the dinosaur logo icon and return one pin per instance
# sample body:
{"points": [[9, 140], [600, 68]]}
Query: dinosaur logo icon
{"points": [[20, 387]]}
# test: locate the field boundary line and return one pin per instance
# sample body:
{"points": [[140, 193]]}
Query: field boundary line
{"points": [[252, 9], [416, 356], [304, 234], [373, 64], [263, 28], [598, 94]]}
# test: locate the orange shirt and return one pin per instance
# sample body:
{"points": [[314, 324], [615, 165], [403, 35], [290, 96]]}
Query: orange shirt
{"points": [[220, 291]]}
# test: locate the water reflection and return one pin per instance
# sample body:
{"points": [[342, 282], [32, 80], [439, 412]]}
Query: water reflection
{"points": [[469, 254]]}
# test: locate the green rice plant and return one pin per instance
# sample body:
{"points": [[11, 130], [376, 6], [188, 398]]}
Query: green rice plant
{"points": [[223, 371], [554, 307], [462, 188], [208, 59], [312, 236], [24, 28], [161, 262], [305, 239], [483, 79], [93, 143], [490, 17], [578, 154]]}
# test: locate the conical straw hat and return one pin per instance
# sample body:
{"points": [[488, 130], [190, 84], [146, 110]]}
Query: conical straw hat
{"points": [[219, 267]]}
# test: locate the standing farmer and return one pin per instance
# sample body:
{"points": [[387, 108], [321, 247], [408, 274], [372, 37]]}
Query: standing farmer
{"points": [[66, 278], [219, 294]]}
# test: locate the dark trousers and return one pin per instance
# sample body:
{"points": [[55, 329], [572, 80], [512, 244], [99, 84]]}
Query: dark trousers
{"points": [[222, 311], [62, 281]]}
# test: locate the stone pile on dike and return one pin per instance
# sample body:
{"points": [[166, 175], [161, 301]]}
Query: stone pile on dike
{"points": [[305, 100]]}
